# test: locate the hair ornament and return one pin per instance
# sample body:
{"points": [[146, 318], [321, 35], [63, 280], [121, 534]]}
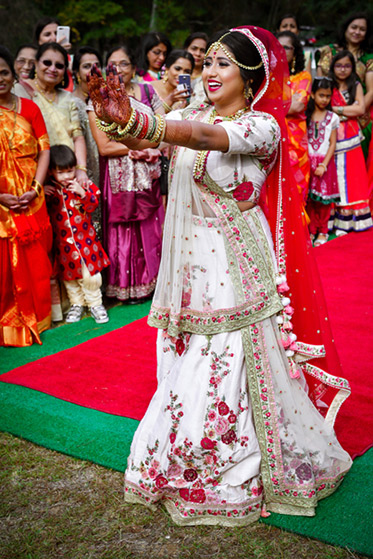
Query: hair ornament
{"points": [[219, 45]]}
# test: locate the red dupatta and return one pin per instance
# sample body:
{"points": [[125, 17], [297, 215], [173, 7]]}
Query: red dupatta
{"points": [[305, 315]]}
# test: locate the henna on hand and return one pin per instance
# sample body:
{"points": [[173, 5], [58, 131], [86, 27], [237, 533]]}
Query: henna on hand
{"points": [[110, 99]]}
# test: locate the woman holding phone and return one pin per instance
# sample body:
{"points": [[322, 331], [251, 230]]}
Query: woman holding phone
{"points": [[179, 62]]}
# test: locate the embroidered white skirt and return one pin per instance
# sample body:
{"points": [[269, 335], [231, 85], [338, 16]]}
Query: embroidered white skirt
{"points": [[228, 429]]}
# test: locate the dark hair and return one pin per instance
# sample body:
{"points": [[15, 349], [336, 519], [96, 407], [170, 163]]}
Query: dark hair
{"points": [[366, 44], [25, 46], [56, 48], [6, 55], [41, 24], [351, 80], [125, 49], [197, 35], [61, 157], [149, 41], [287, 16], [176, 54], [298, 51], [244, 52], [318, 83], [79, 55]]}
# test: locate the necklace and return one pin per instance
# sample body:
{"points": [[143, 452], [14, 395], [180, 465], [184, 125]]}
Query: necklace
{"points": [[199, 166], [43, 93], [12, 108], [234, 116]]}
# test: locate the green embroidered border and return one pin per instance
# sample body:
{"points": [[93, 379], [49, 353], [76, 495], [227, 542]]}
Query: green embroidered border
{"points": [[247, 265], [279, 495]]}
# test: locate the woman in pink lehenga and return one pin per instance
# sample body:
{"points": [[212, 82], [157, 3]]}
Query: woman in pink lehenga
{"points": [[132, 207]]}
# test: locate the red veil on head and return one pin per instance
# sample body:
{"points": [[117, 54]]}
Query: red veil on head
{"points": [[284, 209]]}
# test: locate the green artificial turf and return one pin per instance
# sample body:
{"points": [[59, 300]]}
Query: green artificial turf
{"points": [[344, 519]]}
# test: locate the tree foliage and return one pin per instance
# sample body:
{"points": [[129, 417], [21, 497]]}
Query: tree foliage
{"points": [[103, 23]]}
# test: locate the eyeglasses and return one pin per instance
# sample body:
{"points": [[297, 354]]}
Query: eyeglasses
{"points": [[49, 63], [23, 61], [343, 66], [122, 65]]}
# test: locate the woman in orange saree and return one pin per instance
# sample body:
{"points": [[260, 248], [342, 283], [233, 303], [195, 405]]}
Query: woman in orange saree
{"points": [[300, 84], [25, 232]]}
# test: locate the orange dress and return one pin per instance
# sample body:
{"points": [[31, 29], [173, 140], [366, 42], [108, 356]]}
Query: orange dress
{"points": [[297, 130], [25, 236]]}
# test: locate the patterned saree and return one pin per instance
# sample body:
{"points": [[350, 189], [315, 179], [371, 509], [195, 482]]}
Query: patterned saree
{"points": [[25, 235]]}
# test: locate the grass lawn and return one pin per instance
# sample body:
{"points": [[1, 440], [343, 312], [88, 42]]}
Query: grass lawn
{"points": [[54, 506]]}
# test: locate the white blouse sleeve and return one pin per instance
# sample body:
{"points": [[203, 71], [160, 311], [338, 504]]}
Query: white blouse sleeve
{"points": [[335, 122], [257, 135]]}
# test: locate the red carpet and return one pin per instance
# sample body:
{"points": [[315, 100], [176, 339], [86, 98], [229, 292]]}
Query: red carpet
{"points": [[346, 269], [116, 373]]}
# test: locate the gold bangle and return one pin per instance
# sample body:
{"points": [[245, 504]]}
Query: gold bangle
{"points": [[81, 168], [166, 107], [322, 165], [132, 119], [37, 186], [101, 125]]}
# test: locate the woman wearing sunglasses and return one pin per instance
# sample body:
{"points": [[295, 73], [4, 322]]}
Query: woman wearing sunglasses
{"points": [[58, 106], [61, 118]]}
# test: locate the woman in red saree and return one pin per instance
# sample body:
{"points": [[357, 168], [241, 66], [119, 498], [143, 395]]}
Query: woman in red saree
{"points": [[25, 233], [353, 212]]}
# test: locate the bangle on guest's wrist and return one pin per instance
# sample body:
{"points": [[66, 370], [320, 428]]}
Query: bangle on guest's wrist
{"points": [[81, 168], [166, 107], [37, 187], [322, 165], [340, 111]]}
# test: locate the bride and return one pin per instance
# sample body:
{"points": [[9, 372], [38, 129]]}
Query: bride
{"points": [[242, 417]]}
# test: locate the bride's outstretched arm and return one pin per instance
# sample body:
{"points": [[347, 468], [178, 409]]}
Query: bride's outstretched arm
{"points": [[112, 106]]}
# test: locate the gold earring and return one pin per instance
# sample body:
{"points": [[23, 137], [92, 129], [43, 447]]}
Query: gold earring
{"points": [[248, 93], [165, 77], [78, 79], [292, 71]]}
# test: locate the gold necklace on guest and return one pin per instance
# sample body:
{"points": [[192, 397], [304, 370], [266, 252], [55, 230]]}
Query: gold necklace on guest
{"points": [[43, 92], [12, 108]]}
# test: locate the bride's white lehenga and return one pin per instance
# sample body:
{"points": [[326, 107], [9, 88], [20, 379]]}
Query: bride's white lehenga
{"points": [[231, 426]]}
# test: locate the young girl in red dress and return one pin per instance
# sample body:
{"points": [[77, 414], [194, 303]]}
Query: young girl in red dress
{"points": [[78, 252], [352, 213]]}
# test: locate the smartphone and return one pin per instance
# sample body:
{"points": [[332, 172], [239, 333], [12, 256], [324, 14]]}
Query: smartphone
{"points": [[63, 35], [185, 80]]}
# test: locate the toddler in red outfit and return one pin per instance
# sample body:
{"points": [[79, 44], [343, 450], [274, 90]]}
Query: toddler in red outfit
{"points": [[78, 252]]}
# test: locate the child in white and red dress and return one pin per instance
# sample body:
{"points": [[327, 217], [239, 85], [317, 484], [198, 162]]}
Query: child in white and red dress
{"points": [[322, 126], [78, 252]]}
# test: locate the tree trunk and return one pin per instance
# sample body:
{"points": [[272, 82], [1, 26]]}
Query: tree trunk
{"points": [[153, 17]]}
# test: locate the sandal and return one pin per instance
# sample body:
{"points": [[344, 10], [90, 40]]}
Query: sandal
{"points": [[321, 240]]}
